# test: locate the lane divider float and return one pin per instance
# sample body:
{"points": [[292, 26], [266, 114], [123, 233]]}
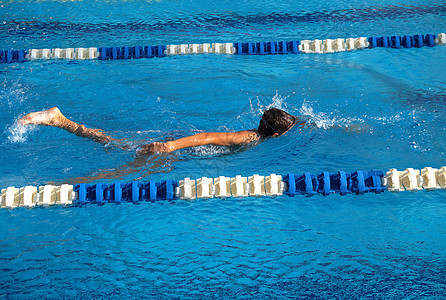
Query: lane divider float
{"points": [[259, 48], [308, 184]]}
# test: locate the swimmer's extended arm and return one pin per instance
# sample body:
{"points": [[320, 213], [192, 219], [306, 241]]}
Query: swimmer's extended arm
{"points": [[205, 138]]}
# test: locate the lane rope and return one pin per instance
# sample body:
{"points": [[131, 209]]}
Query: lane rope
{"points": [[308, 184], [259, 48]]}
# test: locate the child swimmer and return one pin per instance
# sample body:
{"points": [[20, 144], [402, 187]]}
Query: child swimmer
{"points": [[274, 122]]}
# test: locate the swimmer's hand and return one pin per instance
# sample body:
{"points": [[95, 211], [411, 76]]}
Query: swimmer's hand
{"points": [[152, 148]]}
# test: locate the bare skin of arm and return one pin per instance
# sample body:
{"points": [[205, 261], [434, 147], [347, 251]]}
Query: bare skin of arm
{"points": [[205, 138]]}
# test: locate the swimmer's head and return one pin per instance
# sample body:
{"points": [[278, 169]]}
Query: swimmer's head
{"points": [[275, 122]]}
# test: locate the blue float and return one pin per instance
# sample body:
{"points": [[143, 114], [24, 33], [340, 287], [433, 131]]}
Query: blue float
{"points": [[429, 40], [341, 183], [138, 50], [9, 56], [83, 197], [373, 181], [396, 41], [306, 184], [407, 41], [100, 193], [251, 49], [324, 184], [135, 191], [290, 180], [22, 55], [418, 40], [295, 46], [166, 189], [272, 47], [117, 192], [283, 47], [384, 42], [358, 183], [153, 189], [148, 52]]}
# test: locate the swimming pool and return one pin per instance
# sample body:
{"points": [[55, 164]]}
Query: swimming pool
{"points": [[371, 246]]}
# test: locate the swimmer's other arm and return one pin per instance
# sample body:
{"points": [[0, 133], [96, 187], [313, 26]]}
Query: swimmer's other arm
{"points": [[205, 138]]}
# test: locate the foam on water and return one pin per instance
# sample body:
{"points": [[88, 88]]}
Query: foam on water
{"points": [[18, 133], [210, 150], [13, 93], [323, 121], [277, 101]]}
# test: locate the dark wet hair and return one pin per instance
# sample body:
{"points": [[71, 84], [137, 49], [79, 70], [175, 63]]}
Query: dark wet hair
{"points": [[275, 120]]}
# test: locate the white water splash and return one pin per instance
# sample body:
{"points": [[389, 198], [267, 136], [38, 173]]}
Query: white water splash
{"points": [[13, 93], [392, 120], [210, 150], [18, 133], [320, 119], [278, 102], [325, 121]]}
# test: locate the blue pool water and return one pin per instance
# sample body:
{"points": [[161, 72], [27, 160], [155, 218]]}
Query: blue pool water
{"points": [[371, 246]]}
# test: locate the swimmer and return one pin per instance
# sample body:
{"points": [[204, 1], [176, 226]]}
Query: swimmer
{"points": [[273, 123]]}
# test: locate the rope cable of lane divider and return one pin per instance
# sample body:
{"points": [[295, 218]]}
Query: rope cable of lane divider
{"points": [[325, 183], [259, 48]]}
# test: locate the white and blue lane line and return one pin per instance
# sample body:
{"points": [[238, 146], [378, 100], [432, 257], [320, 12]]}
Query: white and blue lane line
{"points": [[325, 183], [259, 48]]}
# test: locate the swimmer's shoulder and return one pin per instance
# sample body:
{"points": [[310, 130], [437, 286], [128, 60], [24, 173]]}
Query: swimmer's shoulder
{"points": [[248, 136]]}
